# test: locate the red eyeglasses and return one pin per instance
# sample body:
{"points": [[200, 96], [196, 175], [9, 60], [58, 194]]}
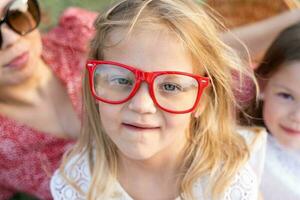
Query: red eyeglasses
{"points": [[172, 91]]}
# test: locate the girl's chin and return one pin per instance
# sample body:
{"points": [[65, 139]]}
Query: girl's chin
{"points": [[289, 143], [137, 155]]}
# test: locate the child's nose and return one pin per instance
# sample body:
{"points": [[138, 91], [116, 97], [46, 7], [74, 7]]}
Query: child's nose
{"points": [[142, 102], [9, 37]]}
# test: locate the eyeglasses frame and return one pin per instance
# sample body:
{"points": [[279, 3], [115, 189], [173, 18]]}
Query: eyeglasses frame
{"points": [[149, 78]]}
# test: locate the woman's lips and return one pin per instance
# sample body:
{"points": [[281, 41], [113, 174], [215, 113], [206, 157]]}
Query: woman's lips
{"points": [[19, 61], [291, 131]]}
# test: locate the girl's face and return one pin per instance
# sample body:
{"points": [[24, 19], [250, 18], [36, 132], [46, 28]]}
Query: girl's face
{"points": [[138, 127], [281, 111], [18, 54]]}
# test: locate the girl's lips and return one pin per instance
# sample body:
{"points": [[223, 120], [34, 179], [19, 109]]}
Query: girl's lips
{"points": [[19, 61], [291, 131], [139, 127]]}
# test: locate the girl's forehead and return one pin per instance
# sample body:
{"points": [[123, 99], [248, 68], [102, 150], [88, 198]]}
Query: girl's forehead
{"points": [[148, 46], [287, 75], [148, 31], [286, 69]]}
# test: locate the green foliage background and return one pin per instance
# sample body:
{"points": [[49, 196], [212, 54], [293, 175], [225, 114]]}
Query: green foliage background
{"points": [[51, 9]]}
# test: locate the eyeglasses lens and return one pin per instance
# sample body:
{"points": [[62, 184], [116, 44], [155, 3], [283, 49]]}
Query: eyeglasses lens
{"points": [[113, 83], [175, 92]]}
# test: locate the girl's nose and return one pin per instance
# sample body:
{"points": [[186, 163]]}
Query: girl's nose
{"points": [[142, 102], [9, 37]]}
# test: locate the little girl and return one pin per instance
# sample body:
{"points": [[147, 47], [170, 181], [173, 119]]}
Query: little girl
{"points": [[279, 79], [159, 111]]}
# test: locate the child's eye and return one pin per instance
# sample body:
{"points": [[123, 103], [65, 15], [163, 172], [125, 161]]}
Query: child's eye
{"points": [[286, 96], [171, 87], [120, 81]]}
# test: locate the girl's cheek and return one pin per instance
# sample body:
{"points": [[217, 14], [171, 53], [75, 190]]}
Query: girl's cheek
{"points": [[109, 113], [177, 121]]}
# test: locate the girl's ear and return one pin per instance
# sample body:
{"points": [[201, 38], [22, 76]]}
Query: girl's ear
{"points": [[198, 111], [200, 108]]}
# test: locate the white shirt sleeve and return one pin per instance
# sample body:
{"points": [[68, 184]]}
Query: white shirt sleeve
{"points": [[247, 181], [256, 138]]}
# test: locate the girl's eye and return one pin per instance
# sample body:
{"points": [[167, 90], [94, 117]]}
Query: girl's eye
{"points": [[120, 81], [171, 87], [285, 95]]}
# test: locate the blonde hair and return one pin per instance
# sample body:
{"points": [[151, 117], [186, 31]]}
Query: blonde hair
{"points": [[214, 147]]}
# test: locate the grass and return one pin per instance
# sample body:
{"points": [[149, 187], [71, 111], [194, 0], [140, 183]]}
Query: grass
{"points": [[52, 9]]}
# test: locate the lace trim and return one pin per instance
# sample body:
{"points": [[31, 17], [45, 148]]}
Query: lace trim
{"points": [[62, 190], [244, 186]]}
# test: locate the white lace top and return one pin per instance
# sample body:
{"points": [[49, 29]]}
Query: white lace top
{"points": [[281, 176], [244, 186]]}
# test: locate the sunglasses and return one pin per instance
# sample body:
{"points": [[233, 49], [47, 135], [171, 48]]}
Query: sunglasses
{"points": [[172, 91], [22, 16]]}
